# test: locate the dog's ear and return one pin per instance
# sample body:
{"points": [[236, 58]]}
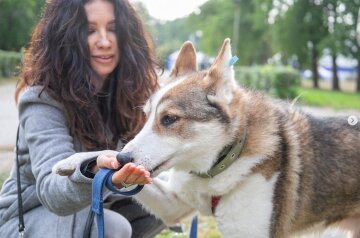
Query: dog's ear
{"points": [[186, 60], [221, 74]]}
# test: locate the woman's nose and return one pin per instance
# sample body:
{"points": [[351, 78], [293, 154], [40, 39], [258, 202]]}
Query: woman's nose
{"points": [[104, 40]]}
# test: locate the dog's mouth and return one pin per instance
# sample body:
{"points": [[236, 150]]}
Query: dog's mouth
{"points": [[159, 168]]}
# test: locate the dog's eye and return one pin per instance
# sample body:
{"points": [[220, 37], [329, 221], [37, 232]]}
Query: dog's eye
{"points": [[167, 120]]}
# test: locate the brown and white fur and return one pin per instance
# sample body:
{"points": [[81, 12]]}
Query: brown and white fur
{"points": [[295, 173]]}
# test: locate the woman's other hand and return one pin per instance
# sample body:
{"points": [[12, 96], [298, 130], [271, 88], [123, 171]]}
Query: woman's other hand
{"points": [[130, 173]]}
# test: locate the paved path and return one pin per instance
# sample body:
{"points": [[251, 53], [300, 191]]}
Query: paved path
{"points": [[8, 125], [9, 122], [8, 114]]}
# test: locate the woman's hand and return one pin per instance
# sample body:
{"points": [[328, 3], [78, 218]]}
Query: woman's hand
{"points": [[129, 174]]}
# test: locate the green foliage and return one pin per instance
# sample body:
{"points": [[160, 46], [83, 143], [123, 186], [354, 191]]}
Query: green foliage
{"points": [[9, 63], [216, 22], [351, 45], [301, 24], [278, 81], [170, 36], [17, 19]]}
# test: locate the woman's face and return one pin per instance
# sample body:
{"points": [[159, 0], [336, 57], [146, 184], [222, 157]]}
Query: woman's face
{"points": [[102, 41]]}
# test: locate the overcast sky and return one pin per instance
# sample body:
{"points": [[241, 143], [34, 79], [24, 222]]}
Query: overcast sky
{"points": [[171, 9]]}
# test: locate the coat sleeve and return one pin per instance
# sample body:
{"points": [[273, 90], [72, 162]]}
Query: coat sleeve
{"points": [[48, 138]]}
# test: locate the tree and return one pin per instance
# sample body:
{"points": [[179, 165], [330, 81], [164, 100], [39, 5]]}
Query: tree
{"points": [[222, 18], [299, 31], [17, 19], [169, 36], [335, 16], [352, 45]]}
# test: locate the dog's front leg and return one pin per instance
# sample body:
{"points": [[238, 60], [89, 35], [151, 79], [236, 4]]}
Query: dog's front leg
{"points": [[159, 200]]}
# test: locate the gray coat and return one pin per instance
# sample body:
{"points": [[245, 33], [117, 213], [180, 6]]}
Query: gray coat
{"points": [[48, 199]]}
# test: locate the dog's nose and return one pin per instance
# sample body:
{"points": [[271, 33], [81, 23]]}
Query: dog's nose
{"points": [[124, 158]]}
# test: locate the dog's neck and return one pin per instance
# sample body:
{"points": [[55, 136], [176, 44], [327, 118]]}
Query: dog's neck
{"points": [[261, 124], [226, 157]]}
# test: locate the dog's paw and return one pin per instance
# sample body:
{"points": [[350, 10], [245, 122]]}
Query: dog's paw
{"points": [[64, 168]]}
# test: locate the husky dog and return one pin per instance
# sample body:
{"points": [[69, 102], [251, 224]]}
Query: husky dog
{"points": [[261, 169]]}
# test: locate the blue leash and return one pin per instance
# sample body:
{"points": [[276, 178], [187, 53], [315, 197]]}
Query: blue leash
{"points": [[193, 228], [104, 178]]}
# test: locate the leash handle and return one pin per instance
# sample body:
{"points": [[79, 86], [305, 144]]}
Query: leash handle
{"points": [[104, 178]]}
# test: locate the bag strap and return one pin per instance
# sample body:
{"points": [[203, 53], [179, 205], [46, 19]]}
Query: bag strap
{"points": [[20, 202], [89, 223]]}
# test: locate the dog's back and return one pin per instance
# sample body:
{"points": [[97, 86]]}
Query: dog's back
{"points": [[329, 182]]}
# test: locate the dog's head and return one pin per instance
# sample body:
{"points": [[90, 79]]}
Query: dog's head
{"points": [[189, 119]]}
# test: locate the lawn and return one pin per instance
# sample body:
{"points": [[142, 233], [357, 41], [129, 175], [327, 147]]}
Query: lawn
{"points": [[2, 179], [8, 80], [326, 98], [206, 229]]}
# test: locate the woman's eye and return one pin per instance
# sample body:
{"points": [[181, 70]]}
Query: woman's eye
{"points": [[167, 120], [112, 29], [90, 31]]}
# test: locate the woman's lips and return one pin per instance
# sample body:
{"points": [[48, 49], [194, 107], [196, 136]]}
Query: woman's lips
{"points": [[103, 58]]}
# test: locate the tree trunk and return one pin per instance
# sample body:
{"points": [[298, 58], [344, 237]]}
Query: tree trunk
{"points": [[358, 76], [335, 78], [236, 27], [314, 65]]}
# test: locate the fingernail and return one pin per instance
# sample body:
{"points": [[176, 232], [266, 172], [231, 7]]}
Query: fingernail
{"points": [[113, 165]]}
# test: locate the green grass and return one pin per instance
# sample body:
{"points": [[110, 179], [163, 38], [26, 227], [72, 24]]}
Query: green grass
{"points": [[3, 176], [8, 80], [326, 98], [207, 228]]}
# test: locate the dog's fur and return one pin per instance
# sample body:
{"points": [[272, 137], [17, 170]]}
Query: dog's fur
{"points": [[295, 172]]}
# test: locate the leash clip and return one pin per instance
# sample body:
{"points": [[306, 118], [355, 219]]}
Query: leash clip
{"points": [[21, 230], [22, 233]]}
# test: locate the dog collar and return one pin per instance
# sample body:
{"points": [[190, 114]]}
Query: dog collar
{"points": [[226, 157]]}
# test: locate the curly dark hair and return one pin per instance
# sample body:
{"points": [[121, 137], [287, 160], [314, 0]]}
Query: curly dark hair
{"points": [[58, 59]]}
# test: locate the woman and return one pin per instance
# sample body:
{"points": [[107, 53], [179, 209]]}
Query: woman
{"points": [[87, 72]]}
